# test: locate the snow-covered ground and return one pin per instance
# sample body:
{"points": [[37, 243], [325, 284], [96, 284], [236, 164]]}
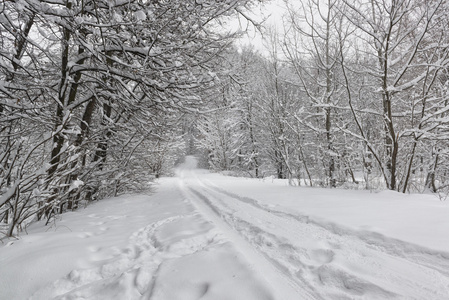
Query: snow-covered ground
{"points": [[208, 236]]}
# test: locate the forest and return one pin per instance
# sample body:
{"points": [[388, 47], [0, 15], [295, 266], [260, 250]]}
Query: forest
{"points": [[101, 97]]}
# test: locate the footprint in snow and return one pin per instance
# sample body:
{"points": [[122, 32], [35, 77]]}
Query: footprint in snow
{"points": [[84, 235], [322, 256]]}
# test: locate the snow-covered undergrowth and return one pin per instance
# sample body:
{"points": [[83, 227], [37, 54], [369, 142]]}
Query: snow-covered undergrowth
{"points": [[208, 236]]}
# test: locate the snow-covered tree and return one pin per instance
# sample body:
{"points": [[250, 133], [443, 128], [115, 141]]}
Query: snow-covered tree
{"points": [[88, 89], [403, 48]]}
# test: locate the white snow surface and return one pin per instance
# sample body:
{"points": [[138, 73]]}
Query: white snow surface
{"points": [[207, 236]]}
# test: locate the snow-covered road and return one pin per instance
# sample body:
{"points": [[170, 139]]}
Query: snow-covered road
{"points": [[211, 237], [316, 260]]}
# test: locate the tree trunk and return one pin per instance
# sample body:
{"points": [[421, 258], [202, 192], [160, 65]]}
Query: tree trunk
{"points": [[102, 147], [430, 179]]}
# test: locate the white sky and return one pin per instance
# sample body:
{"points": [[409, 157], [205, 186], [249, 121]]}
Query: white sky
{"points": [[271, 12]]}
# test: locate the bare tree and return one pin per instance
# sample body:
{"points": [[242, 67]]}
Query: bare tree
{"points": [[311, 44], [402, 67]]}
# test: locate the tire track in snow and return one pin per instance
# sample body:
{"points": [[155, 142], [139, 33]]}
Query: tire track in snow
{"points": [[341, 265], [436, 260], [274, 271], [290, 260]]}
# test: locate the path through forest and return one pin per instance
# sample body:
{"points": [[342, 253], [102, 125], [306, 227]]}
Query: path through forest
{"points": [[203, 236]]}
